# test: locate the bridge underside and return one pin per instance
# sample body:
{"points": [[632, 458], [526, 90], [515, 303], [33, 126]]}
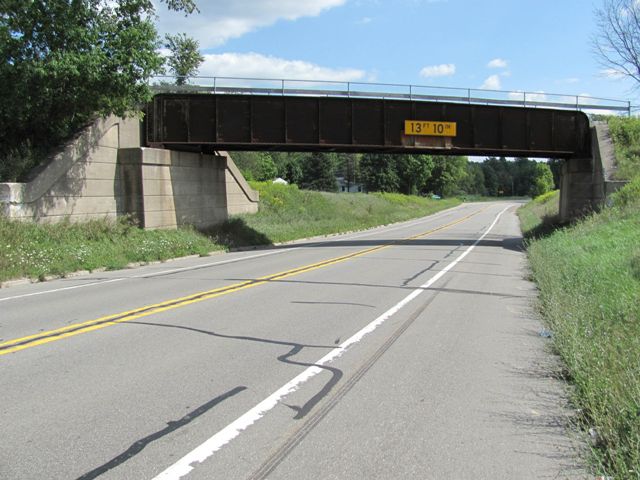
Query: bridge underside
{"points": [[207, 122]]}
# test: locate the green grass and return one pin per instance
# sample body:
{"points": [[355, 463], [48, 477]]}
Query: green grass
{"points": [[589, 281], [625, 133], [287, 213], [37, 250], [540, 215]]}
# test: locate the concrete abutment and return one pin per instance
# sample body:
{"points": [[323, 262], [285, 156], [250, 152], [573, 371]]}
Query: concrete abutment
{"points": [[106, 172], [587, 183]]}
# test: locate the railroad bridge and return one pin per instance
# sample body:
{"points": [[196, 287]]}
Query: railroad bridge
{"points": [[294, 123], [208, 119], [187, 178]]}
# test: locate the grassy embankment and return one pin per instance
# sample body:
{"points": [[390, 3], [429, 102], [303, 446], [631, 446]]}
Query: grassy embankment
{"points": [[589, 280], [38, 250], [286, 213], [625, 133], [540, 215]]}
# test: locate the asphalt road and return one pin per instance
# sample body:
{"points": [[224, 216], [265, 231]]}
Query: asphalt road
{"points": [[409, 351]]}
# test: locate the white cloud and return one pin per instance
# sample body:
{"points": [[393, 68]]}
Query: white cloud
{"points": [[219, 21], [255, 65], [538, 96], [364, 21], [611, 113], [444, 70], [492, 83], [587, 99], [611, 73], [497, 63]]}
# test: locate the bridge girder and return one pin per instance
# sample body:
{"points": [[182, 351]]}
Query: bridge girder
{"points": [[205, 122]]}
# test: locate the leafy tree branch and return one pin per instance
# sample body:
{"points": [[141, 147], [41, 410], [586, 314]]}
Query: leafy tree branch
{"points": [[66, 62]]}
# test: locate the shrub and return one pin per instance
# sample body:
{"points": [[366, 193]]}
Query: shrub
{"points": [[627, 195], [625, 133]]}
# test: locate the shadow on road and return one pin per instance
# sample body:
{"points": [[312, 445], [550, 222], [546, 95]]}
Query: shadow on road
{"points": [[296, 348], [498, 241], [172, 426]]}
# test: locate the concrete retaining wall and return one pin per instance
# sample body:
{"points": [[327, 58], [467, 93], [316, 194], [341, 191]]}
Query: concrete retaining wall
{"points": [[587, 183], [80, 182], [106, 173], [605, 165]]}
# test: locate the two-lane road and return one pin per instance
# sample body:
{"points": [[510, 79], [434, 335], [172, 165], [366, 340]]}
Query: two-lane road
{"points": [[408, 351]]}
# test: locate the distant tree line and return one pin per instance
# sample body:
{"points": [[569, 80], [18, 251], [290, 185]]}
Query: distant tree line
{"points": [[409, 174]]}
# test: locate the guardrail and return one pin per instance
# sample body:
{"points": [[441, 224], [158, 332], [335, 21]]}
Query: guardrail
{"points": [[268, 86]]}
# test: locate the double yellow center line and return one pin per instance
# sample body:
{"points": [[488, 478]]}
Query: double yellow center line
{"points": [[42, 338]]}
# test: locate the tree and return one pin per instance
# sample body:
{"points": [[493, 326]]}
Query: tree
{"points": [[186, 6], [490, 177], [319, 172], [289, 166], [448, 175], [499, 176], [349, 168], [185, 58], [66, 62], [617, 43], [413, 172], [246, 163], [555, 164], [265, 168], [543, 180], [378, 172], [259, 166], [523, 173], [474, 181]]}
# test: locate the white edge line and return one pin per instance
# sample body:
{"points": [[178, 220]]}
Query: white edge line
{"points": [[147, 275], [213, 264], [62, 289], [201, 453]]}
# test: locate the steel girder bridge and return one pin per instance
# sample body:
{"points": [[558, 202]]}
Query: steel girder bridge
{"points": [[281, 118]]}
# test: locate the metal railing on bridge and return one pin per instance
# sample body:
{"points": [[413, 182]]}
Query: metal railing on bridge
{"points": [[392, 91]]}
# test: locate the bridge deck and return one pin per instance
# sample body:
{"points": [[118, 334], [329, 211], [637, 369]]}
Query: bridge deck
{"points": [[214, 121]]}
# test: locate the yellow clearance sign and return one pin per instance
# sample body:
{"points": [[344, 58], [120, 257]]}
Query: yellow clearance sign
{"points": [[433, 129]]}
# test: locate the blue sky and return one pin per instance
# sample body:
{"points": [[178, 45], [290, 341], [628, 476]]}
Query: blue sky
{"points": [[538, 46]]}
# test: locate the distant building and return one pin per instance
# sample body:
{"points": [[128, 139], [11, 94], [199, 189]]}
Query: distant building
{"points": [[346, 187]]}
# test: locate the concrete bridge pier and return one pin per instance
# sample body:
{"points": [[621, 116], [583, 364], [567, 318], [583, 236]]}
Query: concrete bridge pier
{"points": [[587, 183], [576, 188]]}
